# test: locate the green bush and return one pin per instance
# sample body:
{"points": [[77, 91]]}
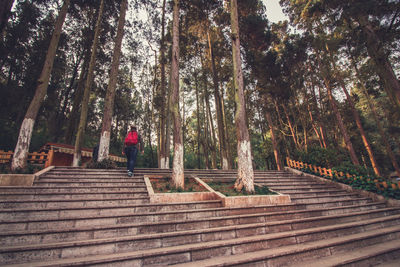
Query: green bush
{"points": [[326, 157], [104, 164]]}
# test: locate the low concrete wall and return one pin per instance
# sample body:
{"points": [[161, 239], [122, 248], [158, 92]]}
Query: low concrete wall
{"points": [[348, 188], [21, 179], [176, 197], [16, 179], [249, 201], [239, 201]]}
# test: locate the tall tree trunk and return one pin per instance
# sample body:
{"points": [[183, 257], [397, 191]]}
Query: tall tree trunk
{"points": [[85, 100], [163, 110], [104, 146], [356, 116], [73, 115], [25, 133], [274, 141], [371, 106], [318, 116], [376, 50], [245, 165], [5, 10], [177, 169], [292, 131], [342, 128], [360, 128], [206, 145], [218, 108], [198, 121]]}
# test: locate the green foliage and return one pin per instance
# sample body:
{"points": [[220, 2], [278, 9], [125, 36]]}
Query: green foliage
{"points": [[104, 164], [228, 189], [360, 179], [327, 157]]}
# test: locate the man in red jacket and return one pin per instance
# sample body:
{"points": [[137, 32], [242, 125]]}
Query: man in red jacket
{"points": [[131, 141]]}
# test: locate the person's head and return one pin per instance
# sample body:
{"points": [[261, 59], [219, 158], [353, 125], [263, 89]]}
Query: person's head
{"points": [[133, 128]]}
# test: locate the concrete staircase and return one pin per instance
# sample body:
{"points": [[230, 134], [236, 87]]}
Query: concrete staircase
{"points": [[76, 217]]}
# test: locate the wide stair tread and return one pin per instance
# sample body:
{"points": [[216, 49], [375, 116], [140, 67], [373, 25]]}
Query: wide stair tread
{"points": [[231, 246], [251, 258]]}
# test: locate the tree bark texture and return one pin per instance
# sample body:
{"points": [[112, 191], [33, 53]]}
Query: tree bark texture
{"points": [[85, 100], [274, 141], [245, 177], [178, 168], [104, 146], [218, 107], [25, 134], [163, 110]]}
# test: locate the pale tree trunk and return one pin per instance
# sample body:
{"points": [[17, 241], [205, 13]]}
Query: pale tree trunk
{"points": [[163, 110], [205, 141], [25, 133], [245, 177], [378, 54], [218, 108], [177, 169], [85, 100], [342, 128], [104, 146], [5, 10]]}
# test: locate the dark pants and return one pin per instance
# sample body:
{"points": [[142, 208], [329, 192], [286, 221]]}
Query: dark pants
{"points": [[131, 154]]}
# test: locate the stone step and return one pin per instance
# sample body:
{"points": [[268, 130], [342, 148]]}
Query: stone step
{"points": [[307, 194], [80, 183], [58, 196], [70, 203], [76, 179], [71, 190], [157, 249], [286, 254], [15, 214], [265, 223], [323, 197], [383, 254], [194, 219]]}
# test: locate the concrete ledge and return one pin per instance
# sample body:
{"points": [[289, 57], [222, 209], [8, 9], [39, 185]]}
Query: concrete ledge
{"points": [[176, 197], [390, 202], [248, 201], [239, 201], [21, 179], [16, 179]]}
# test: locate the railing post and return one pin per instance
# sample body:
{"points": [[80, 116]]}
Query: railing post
{"points": [[50, 158]]}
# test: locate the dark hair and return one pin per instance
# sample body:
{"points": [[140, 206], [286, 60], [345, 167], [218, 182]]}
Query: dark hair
{"points": [[133, 128]]}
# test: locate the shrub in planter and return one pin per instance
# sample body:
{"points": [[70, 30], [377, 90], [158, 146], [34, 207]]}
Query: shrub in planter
{"points": [[104, 164]]}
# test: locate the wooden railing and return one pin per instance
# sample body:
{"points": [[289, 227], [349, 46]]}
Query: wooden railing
{"points": [[329, 173], [33, 158]]}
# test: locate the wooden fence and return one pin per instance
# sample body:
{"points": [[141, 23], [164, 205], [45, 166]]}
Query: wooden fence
{"points": [[329, 173], [33, 158]]}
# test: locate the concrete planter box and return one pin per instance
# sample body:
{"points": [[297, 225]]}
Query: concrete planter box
{"points": [[237, 201], [250, 201], [176, 197], [21, 179]]}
